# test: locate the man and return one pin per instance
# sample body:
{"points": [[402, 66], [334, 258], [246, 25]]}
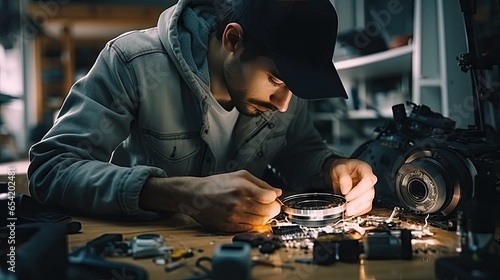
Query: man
{"points": [[186, 117]]}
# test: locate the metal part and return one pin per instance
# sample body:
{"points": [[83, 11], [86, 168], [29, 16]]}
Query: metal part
{"points": [[148, 245], [314, 209]]}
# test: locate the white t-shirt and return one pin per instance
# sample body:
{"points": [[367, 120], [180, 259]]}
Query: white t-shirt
{"points": [[220, 133]]}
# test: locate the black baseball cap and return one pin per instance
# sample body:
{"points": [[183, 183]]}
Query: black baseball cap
{"points": [[300, 36]]}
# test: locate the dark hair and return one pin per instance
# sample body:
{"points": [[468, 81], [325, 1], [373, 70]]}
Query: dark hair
{"points": [[225, 15]]}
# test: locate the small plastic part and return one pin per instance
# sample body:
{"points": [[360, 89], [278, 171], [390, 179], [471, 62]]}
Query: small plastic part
{"points": [[232, 261]]}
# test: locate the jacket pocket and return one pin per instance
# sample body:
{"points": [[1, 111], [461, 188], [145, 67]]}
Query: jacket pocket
{"points": [[172, 147]]}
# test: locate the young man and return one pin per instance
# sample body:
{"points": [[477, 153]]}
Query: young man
{"points": [[186, 117]]}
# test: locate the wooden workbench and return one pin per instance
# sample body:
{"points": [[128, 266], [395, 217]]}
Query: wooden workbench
{"points": [[182, 232]]}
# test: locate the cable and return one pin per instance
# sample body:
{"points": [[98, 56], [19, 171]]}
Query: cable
{"points": [[207, 272], [200, 266], [469, 8]]}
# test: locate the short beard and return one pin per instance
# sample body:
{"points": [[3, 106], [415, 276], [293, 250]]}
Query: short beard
{"points": [[235, 87]]}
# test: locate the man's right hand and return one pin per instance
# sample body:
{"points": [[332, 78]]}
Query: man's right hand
{"points": [[229, 202]]}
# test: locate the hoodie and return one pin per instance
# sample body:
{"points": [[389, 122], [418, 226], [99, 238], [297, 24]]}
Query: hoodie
{"points": [[141, 111]]}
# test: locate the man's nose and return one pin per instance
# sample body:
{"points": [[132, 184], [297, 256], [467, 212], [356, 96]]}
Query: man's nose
{"points": [[281, 99]]}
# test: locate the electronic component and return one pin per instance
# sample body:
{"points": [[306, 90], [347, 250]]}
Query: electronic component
{"points": [[181, 253], [87, 263], [148, 245], [330, 248], [347, 240], [232, 261], [314, 209], [379, 244], [293, 232], [385, 244], [267, 243]]}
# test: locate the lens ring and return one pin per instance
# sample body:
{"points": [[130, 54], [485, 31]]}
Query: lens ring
{"points": [[314, 209], [417, 189], [422, 186]]}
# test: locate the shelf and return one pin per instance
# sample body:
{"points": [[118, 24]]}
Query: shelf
{"points": [[98, 20], [430, 82], [71, 40], [362, 114], [55, 86], [382, 64]]}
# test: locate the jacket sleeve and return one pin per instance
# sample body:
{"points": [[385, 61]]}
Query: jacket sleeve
{"points": [[302, 160], [69, 168]]}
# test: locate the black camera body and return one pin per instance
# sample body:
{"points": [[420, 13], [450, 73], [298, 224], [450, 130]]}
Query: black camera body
{"points": [[426, 166]]}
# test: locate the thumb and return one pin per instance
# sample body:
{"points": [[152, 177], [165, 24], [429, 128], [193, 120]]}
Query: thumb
{"points": [[344, 179], [345, 184]]}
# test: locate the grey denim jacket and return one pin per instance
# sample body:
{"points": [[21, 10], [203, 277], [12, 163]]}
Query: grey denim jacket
{"points": [[141, 111]]}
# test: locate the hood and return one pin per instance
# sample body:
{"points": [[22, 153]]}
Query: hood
{"points": [[184, 31]]}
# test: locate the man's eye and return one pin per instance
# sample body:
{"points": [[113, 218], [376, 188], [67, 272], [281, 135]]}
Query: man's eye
{"points": [[274, 82]]}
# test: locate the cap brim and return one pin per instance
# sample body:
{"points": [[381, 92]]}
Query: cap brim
{"points": [[309, 81]]}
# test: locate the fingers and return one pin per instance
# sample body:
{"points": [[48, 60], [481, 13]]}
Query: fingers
{"points": [[353, 170], [258, 189], [354, 211], [355, 180], [239, 201], [267, 210], [365, 171], [244, 221], [255, 213], [260, 183], [242, 216], [359, 199], [364, 187], [360, 205], [344, 178], [250, 219]]}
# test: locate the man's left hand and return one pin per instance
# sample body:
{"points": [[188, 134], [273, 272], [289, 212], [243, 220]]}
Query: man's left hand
{"points": [[355, 180]]}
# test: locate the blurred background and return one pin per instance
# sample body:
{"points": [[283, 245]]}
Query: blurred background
{"points": [[388, 52]]}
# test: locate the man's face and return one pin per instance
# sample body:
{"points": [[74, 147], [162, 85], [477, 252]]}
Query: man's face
{"points": [[254, 86]]}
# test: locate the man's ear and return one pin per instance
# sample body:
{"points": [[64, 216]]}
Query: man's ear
{"points": [[232, 37]]}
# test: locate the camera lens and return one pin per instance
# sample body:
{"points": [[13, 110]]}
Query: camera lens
{"points": [[433, 180], [314, 209], [417, 189], [315, 203], [421, 185]]}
